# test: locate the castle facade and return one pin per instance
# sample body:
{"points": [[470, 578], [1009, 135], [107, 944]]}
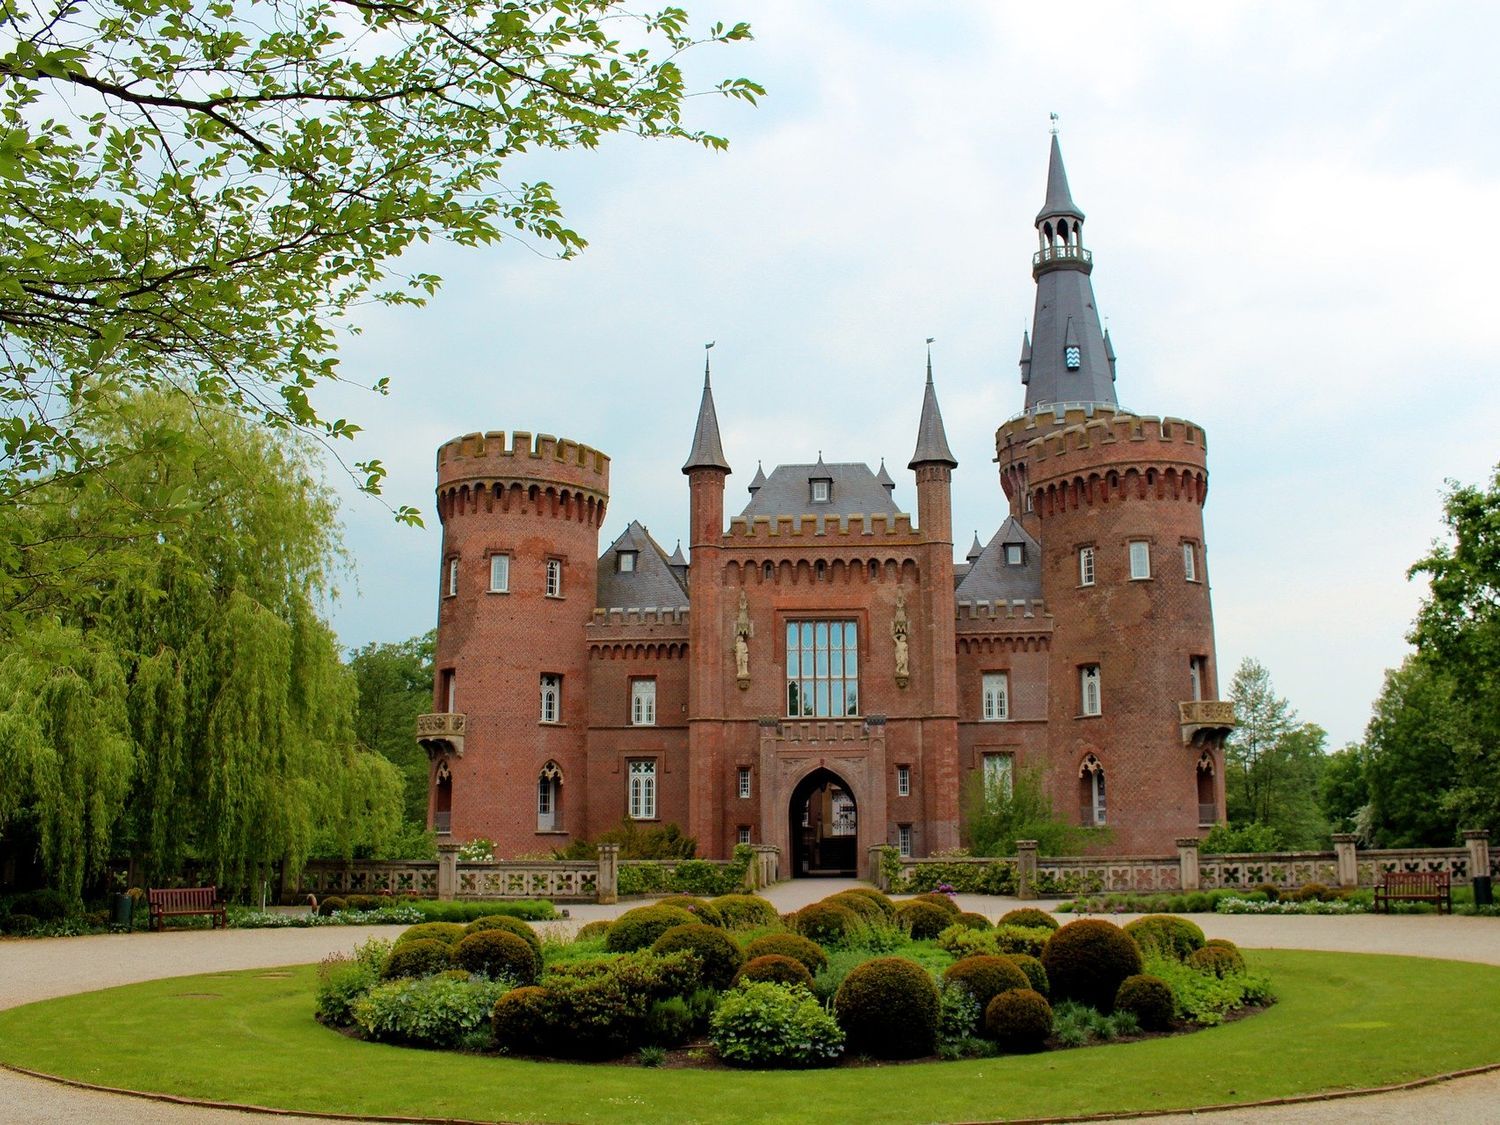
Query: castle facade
{"points": [[820, 673]]}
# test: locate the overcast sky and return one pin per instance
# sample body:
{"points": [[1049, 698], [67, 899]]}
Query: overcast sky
{"points": [[1293, 214]]}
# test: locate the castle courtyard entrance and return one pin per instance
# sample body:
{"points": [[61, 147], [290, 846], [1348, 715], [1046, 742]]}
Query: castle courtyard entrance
{"points": [[824, 826]]}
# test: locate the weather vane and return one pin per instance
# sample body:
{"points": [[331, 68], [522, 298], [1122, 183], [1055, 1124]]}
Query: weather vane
{"points": [[706, 346], [1054, 123]]}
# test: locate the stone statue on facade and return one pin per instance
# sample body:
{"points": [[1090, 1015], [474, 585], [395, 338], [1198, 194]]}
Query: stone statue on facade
{"points": [[900, 627], [742, 632]]}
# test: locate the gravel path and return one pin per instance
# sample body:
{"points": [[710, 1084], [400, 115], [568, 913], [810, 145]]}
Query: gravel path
{"points": [[39, 969]]}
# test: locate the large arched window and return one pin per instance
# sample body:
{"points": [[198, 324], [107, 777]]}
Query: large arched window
{"points": [[1091, 791], [549, 798]]}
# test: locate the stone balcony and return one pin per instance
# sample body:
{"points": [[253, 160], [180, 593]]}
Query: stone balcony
{"points": [[441, 733], [1204, 721]]}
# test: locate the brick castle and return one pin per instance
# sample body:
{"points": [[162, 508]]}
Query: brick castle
{"points": [[822, 675]]}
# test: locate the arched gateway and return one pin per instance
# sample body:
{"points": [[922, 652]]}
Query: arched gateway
{"points": [[823, 819]]}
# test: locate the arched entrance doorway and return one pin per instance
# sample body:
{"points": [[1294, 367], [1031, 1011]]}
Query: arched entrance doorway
{"points": [[824, 826]]}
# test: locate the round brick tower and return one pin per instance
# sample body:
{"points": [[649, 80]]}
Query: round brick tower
{"points": [[1116, 501], [521, 523]]}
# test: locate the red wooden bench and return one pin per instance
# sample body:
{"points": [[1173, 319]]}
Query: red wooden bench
{"points": [[1415, 886], [178, 901]]}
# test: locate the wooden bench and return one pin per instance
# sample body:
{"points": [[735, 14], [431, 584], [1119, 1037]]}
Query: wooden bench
{"points": [[1415, 886], [181, 901]]}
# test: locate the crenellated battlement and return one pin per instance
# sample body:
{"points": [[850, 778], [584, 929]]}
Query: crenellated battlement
{"points": [[522, 455], [859, 527], [643, 616], [1039, 437], [985, 610]]}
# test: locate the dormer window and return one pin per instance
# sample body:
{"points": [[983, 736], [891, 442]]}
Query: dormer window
{"points": [[821, 491], [1015, 554], [626, 562], [1073, 357]]}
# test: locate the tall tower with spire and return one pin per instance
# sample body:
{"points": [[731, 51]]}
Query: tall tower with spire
{"points": [[1115, 500]]}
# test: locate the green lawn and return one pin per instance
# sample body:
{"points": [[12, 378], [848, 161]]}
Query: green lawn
{"points": [[1343, 1021]]}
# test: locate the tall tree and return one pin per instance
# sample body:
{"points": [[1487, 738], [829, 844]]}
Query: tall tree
{"points": [[395, 686], [1273, 763], [193, 193], [1412, 768], [201, 648]]}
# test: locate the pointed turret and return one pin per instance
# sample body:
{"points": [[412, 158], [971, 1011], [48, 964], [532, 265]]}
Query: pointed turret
{"points": [[707, 451], [760, 479], [1065, 358], [677, 558], [932, 440], [884, 478], [976, 550], [1109, 353]]}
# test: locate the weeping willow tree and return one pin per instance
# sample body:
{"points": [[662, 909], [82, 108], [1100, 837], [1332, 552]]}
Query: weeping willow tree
{"points": [[235, 712]]}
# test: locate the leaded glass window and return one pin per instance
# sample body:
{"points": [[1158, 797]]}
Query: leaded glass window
{"points": [[822, 668]]}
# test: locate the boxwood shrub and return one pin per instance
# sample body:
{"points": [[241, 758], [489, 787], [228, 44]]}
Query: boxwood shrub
{"points": [[448, 933], [1034, 971], [1174, 936], [719, 958], [1147, 998], [509, 925], [762, 1023], [1088, 960], [419, 958], [591, 931], [777, 968], [794, 946], [1029, 916], [924, 919], [941, 900], [827, 923], [888, 1008], [499, 955], [638, 928], [974, 921], [985, 977], [1019, 1020], [1216, 960], [700, 908], [521, 1021], [745, 912], [887, 907]]}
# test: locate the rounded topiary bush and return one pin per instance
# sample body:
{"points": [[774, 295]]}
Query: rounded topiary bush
{"points": [[879, 898], [1147, 998], [827, 923], [1216, 960], [700, 908], [1087, 961], [449, 933], [1171, 935], [1028, 916], [521, 1021], [1019, 1020], [509, 925], [888, 1008], [330, 905], [775, 967], [420, 958], [986, 977], [974, 921], [499, 955], [865, 909], [795, 946], [1270, 890], [638, 928], [591, 931], [718, 956], [744, 912], [923, 919], [1034, 971], [938, 899]]}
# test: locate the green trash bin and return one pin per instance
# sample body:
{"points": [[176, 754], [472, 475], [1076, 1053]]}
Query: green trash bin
{"points": [[124, 907]]}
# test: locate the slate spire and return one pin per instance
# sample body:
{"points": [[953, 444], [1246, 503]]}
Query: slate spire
{"points": [[1065, 358], [932, 440], [707, 452]]}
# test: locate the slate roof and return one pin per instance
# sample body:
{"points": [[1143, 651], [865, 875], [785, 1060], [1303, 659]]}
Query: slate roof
{"points": [[788, 491], [652, 584], [707, 451], [1059, 200], [932, 441], [989, 579]]}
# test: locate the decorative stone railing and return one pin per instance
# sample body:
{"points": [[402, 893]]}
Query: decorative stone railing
{"points": [[438, 732], [594, 880], [1200, 718], [1345, 866]]}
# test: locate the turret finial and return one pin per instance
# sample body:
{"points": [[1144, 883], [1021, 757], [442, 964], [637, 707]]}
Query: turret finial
{"points": [[706, 348], [1053, 116], [930, 339]]}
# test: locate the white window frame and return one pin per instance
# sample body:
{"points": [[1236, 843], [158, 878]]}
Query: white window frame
{"points": [[625, 562], [551, 691], [1190, 562], [554, 578], [1015, 554], [643, 702], [742, 834], [822, 668], [903, 781], [642, 788], [903, 839], [1086, 566], [1096, 811], [822, 491], [999, 770], [546, 807], [451, 588], [996, 697], [1140, 560], [742, 783], [1090, 690], [499, 573]]}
